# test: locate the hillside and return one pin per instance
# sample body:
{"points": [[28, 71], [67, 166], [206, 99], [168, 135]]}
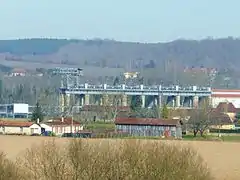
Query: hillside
{"points": [[218, 53]]}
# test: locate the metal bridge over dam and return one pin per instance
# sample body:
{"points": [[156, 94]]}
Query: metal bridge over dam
{"points": [[176, 96], [74, 93]]}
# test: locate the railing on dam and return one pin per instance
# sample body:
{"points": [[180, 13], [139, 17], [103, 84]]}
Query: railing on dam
{"points": [[136, 89]]}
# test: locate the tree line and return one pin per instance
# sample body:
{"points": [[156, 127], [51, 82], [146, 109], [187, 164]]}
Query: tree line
{"points": [[28, 90]]}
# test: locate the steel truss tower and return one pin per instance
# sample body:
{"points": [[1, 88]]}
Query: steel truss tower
{"points": [[70, 78]]}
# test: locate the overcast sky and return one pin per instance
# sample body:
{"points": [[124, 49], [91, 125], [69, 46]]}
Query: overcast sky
{"points": [[125, 20]]}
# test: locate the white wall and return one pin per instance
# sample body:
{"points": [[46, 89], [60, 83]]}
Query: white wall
{"points": [[35, 129], [46, 127], [217, 100], [15, 130], [66, 129], [20, 108], [60, 129]]}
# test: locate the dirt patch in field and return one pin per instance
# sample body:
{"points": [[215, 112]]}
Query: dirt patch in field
{"points": [[222, 157]]}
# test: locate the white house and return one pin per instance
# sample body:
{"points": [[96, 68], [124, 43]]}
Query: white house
{"points": [[21, 127], [61, 125], [18, 72], [35, 129], [57, 126]]}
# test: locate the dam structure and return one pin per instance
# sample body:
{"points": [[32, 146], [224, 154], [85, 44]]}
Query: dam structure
{"points": [[86, 94]]}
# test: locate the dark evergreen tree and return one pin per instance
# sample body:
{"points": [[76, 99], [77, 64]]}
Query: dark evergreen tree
{"points": [[37, 113], [136, 103]]}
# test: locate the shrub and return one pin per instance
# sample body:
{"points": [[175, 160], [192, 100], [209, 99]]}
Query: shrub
{"points": [[9, 170], [106, 159], [113, 159]]}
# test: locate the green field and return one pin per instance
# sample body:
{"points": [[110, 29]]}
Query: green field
{"points": [[100, 125], [228, 138]]}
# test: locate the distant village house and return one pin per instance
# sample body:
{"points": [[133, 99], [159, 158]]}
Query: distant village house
{"points": [[18, 72], [61, 125], [14, 127], [57, 126]]}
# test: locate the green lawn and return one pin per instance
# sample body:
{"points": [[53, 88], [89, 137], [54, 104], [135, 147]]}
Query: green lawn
{"points": [[234, 138], [100, 125], [109, 126], [229, 138]]}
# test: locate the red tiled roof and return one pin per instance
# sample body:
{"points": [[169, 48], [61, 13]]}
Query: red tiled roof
{"points": [[146, 121], [215, 118], [231, 93], [65, 122], [226, 107], [226, 95], [226, 90], [16, 123], [220, 118]]}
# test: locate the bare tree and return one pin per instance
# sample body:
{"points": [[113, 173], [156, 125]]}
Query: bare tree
{"points": [[111, 106], [200, 118], [116, 105]]}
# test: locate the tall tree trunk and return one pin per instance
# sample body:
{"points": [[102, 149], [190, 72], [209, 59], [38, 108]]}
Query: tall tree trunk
{"points": [[195, 131]]}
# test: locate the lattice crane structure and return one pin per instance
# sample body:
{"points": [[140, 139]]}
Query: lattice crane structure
{"points": [[70, 79]]}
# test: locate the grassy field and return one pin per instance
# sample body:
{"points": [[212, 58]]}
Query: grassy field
{"points": [[99, 125], [221, 157], [226, 138]]}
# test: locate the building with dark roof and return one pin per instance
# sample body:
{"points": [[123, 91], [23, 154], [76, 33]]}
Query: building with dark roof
{"points": [[149, 127]]}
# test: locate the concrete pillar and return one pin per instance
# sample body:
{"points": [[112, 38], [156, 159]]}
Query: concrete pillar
{"points": [[87, 102], [195, 101], [124, 100], [160, 100], [155, 101], [210, 101], [101, 101], [82, 101], [177, 99], [190, 102], [76, 99], [173, 102], [143, 101], [67, 99], [105, 100], [62, 102]]}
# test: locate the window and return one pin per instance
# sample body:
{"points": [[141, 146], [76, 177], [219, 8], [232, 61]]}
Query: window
{"points": [[3, 129], [21, 129]]}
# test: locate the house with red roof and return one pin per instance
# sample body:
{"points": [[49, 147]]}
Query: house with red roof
{"points": [[19, 127], [61, 125]]}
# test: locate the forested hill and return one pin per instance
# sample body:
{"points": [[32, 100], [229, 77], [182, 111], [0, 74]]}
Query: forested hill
{"points": [[218, 53]]}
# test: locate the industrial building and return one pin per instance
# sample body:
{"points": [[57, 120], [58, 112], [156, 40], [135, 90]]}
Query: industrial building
{"points": [[15, 110], [149, 127], [226, 96]]}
